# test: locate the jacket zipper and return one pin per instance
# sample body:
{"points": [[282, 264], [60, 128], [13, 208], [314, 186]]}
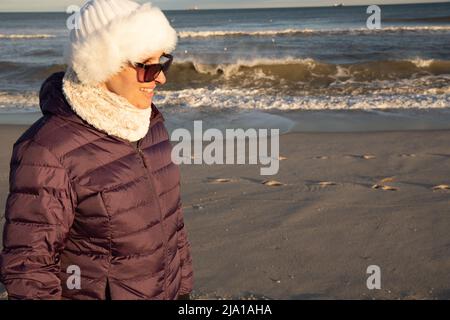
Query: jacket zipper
{"points": [[141, 155]]}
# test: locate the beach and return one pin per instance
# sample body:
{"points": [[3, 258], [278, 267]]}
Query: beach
{"points": [[364, 122], [314, 236]]}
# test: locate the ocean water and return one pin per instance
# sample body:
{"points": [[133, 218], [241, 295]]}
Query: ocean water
{"points": [[275, 61]]}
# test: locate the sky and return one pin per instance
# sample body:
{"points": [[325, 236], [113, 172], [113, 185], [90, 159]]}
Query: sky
{"points": [[61, 5]]}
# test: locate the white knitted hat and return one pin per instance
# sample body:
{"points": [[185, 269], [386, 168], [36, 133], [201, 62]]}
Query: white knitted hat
{"points": [[109, 33]]}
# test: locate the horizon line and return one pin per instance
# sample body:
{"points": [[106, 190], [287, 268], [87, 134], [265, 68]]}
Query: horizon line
{"points": [[253, 8]]}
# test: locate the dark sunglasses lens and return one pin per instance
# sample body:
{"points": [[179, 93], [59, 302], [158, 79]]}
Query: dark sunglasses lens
{"points": [[166, 65], [152, 72], [141, 74]]}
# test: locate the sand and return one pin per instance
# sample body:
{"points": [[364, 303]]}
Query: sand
{"points": [[344, 201]]}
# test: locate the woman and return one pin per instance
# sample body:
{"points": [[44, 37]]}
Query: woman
{"points": [[94, 209]]}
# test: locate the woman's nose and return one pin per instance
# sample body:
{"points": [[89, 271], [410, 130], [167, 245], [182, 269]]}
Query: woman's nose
{"points": [[161, 78]]}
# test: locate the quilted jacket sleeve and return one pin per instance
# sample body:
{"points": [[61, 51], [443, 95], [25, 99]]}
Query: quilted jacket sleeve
{"points": [[39, 213], [187, 275]]}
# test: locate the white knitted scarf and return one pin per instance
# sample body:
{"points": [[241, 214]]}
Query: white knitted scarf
{"points": [[106, 110]]}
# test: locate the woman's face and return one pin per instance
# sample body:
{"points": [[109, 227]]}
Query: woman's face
{"points": [[127, 85]]}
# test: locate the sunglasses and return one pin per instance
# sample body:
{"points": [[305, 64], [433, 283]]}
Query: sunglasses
{"points": [[149, 72]]}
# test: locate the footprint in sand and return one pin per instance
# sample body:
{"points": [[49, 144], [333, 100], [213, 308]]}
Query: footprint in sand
{"points": [[272, 183], [275, 280], [319, 185], [440, 155], [407, 155], [442, 187], [221, 180], [279, 158], [361, 156], [388, 179], [327, 183], [384, 187]]}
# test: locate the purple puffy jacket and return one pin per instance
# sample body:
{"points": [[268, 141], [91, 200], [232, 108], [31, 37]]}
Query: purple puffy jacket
{"points": [[90, 215]]}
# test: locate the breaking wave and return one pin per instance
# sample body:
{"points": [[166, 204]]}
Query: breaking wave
{"points": [[287, 84], [288, 70], [257, 99], [26, 36], [308, 71], [27, 72]]}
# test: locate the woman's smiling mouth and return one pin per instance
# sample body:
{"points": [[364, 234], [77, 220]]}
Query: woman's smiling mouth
{"points": [[147, 91]]}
